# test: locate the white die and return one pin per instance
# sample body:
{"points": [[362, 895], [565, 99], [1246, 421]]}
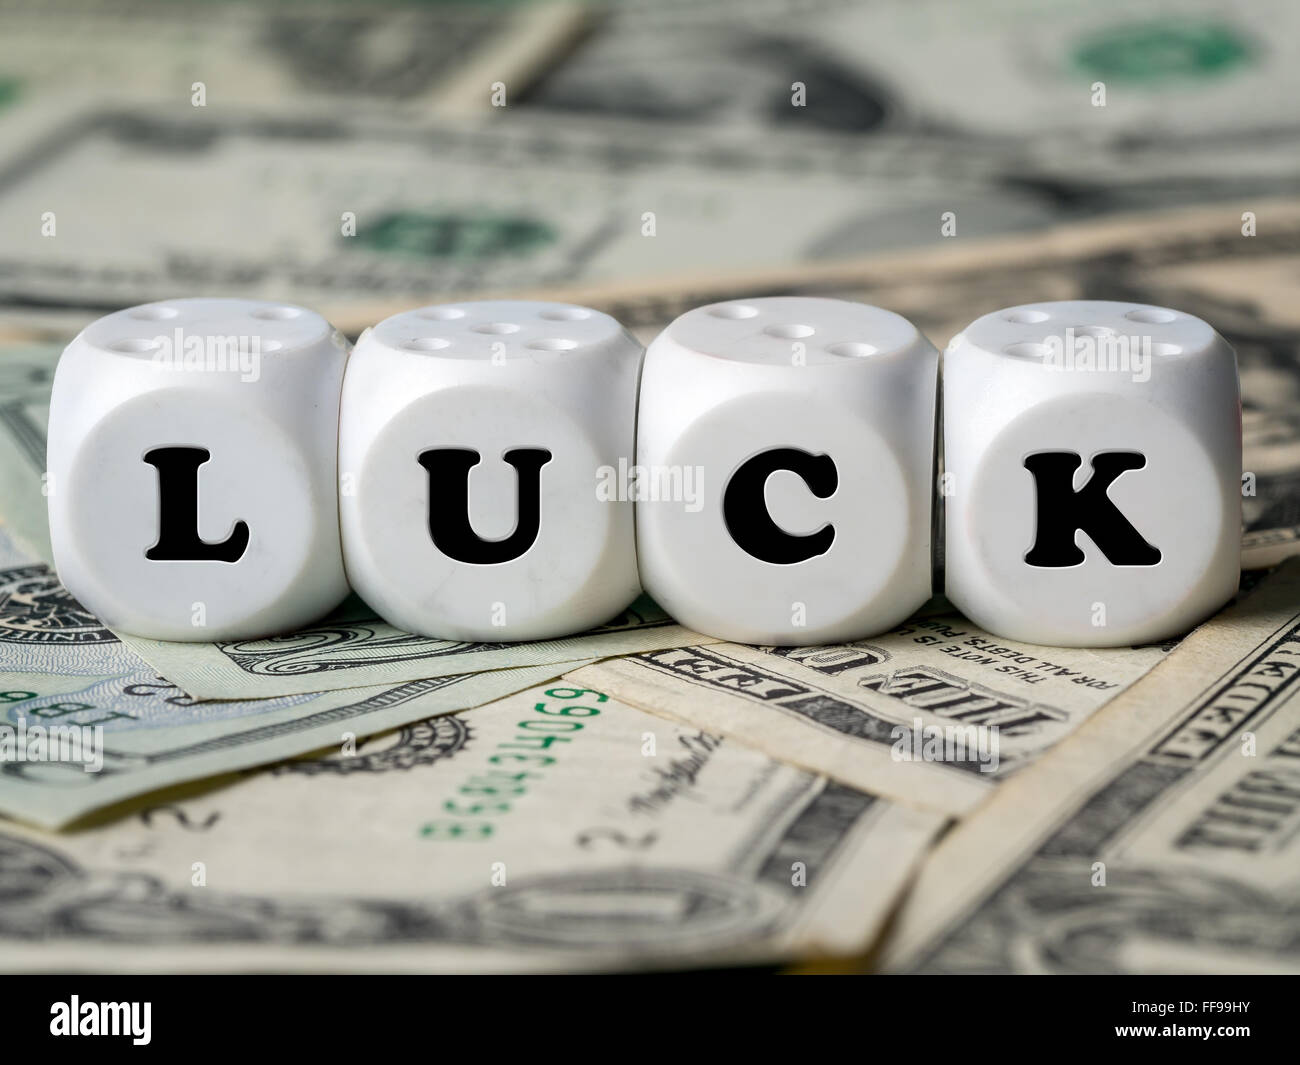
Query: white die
{"points": [[520, 406], [804, 430], [1092, 472], [192, 450]]}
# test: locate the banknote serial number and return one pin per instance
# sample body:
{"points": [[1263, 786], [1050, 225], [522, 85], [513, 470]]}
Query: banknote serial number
{"points": [[516, 765]]}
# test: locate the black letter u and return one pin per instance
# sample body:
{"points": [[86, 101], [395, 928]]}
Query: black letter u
{"points": [[449, 523]]}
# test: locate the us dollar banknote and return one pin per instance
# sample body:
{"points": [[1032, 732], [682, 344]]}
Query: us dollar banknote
{"points": [[349, 210], [936, 713], [389, 58], [352, 647], [1226, 64], [1160, 839], [553, 829], [1124, 106], [85, 722], [26, 377]]}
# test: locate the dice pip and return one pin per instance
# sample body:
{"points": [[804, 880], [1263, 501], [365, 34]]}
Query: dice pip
{"points": [[1092, 472], [192, 455], [805, 431], [475, 440]]}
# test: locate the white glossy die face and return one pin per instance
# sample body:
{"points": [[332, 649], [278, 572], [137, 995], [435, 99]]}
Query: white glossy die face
{"points": [[800, 432], [1093, 459], [474, 437], [192, 489]]}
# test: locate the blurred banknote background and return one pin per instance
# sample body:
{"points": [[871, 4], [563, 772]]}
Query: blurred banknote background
{"points": [[300, 803]]}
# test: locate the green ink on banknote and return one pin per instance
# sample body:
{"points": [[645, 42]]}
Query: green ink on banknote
{"points": [[456, 237], [1164, 51], [492, 793]]}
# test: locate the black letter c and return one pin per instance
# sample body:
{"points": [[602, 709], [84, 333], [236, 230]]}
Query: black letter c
{"points": [[745, 512]]}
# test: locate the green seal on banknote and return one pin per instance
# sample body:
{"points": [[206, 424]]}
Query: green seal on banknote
{"points": [[1164, 51], [459, 236]]}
